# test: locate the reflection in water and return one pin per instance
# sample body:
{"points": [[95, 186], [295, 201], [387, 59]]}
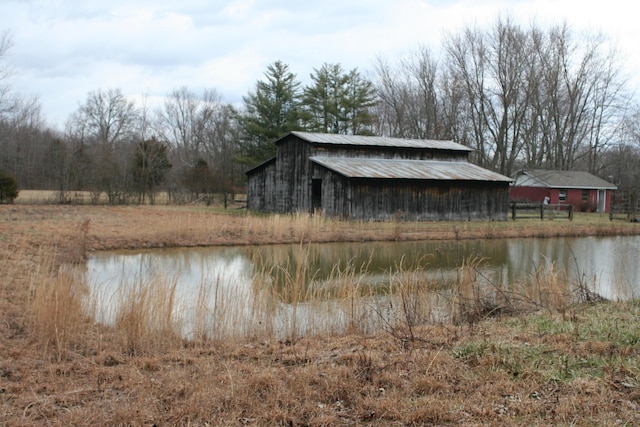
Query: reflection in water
{"points": [[607, 265], [243, 291]]}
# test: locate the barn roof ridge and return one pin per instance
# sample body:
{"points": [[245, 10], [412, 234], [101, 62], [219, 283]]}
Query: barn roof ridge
{"points": [[379, 141], [377, 168]]}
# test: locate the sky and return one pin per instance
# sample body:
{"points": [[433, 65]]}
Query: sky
{"points": [[64, 49]]}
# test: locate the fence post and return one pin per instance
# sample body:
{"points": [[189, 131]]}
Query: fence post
{"points": [[513, 211], [542, 211], [570, 212]]}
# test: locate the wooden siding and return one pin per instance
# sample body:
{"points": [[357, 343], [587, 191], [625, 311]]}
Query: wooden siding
{"points": [[287, 184], [387, 153], [336, 193], [261, 189], [432, 202], [386, 200], [293, 190], [381, 152]]}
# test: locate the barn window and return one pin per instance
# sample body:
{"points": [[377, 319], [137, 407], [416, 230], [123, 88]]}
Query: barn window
{"points": [[585, 195], [562, 195]]}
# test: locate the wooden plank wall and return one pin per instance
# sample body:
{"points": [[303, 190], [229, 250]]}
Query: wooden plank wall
{"points": [[261, 189], [386, 201]]}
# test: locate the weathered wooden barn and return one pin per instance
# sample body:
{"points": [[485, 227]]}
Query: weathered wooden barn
{"points": [[376, 178], [586, 192]]}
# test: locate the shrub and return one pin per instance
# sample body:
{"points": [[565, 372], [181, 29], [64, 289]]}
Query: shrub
{"points": [[8, 187]]}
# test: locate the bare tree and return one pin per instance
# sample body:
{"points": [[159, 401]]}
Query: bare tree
{"points": [[22, 140], [104, 128], [79, 142], [109, 115], [534, 97], [493, 69], [394, 100], [222, 150], [149, 168], [22, 130], [413, 97], [184, 120], [201, 130], [620, 162], [609, 105], [581, 99], [6, 104]]}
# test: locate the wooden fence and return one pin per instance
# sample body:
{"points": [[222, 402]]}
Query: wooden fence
{"points": [[541, 210], [623, 211], [625, 205]]}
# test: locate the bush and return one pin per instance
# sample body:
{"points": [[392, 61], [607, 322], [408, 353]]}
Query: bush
{"points": [[8, 187]]}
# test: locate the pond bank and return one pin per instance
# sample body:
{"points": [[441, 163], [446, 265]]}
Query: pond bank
{"points": [[91, 228]]}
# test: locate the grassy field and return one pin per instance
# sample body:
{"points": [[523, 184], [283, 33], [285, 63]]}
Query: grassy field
{"points": [[562, 364], [31, 197]]}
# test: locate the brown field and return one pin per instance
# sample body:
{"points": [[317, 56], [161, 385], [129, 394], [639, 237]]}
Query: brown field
{"points": [[563, 364]]}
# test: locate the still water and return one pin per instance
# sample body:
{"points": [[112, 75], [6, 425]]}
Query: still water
{"points": [[229, 291]]}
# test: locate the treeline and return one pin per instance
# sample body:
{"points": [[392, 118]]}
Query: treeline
{"points": [[520, 97]]}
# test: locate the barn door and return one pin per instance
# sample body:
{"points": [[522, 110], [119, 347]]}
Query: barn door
{"points": [[316, 195]]}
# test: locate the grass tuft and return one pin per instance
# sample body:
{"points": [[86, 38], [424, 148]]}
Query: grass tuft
{"points": [[146, 315], [57, 306]]}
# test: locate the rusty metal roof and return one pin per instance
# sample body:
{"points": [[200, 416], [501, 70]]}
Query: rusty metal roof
{"points": [[379, 141], [408, 169]]}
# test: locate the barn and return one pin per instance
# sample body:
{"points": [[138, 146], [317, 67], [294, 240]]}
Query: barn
{"points": [[376, 178], [586, 192]]}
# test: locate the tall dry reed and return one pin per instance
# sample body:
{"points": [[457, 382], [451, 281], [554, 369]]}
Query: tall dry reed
{"points": [[234, 309], [57, 305], [303, 303], [349, 287], [201, 314], [146, 314], [290, 287], [407, 301], [475, 296]]}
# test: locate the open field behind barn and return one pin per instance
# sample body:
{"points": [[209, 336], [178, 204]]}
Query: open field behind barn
{"points": [[31, 197], [563, 364]]}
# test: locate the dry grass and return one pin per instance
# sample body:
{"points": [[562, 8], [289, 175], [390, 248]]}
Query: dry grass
{"points": [[475, 298], [58, 316], [567, 365], [31, 197], [145, 316]]}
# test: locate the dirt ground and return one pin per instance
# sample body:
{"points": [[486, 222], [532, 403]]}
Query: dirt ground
{"points": [[578, 366]]}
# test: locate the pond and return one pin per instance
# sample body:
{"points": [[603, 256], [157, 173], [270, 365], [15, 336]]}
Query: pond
{"points": [[292, 290]]}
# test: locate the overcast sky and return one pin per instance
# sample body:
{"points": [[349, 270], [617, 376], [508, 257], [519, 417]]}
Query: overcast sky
{"points": [[63, 49]]}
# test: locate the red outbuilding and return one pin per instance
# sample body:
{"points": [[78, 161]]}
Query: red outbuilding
{"points": [[586, 192]]}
